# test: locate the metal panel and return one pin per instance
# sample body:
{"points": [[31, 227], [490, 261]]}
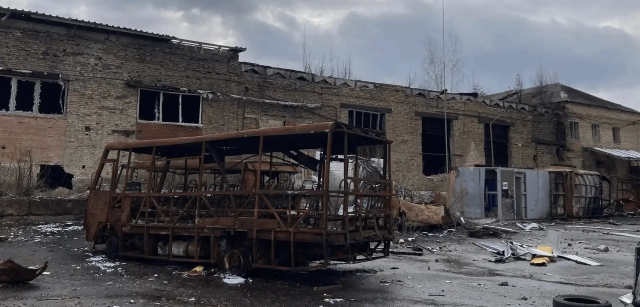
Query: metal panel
{"points": [[620, 153], [537, 194], [467, 193]]}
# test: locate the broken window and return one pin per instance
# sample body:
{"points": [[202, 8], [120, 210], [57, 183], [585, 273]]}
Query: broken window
{"points": [[595, 132], [149, 105], [5, 94], [25, 96], [574, 130], [435, 140], [190, 109], [367, 119], [170, 108], [51, 98], [166, 107], [54, 176], [616, 135], [496, 145], [31, 96]]}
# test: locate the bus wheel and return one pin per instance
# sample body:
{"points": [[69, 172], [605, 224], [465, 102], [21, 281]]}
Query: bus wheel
{"points": [[112, 248], [237, 262]]}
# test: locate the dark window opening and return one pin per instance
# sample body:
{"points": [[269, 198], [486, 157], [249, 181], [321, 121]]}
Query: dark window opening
{"points": [[561, 131], [5, 93], [25, 96], [51, 98], [490, 193], [498, 136], [170, 108], [367, 120], [434, 145], [616, 135], [191, 109], [54, 176], [148, 108]]}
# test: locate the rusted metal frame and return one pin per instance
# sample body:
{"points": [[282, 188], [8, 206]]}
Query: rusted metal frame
{"points": [[185, 177], [128, 173], [172, 200], [186, 207], [345, 203], [199, 199], [258, 175], [273, 248], [94, 181], [242, 208], [146, 201], [387, 205], [157, 205], [273, 211], [219, 161], [112, 182], [240, 192], [325, 200], [293, 252], [206, 202], [163, 177]]}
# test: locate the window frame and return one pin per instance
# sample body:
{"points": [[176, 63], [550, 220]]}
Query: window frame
{"points": [[595, 132], [574, 133], [36, 103], [159, 113], [380, 122], [617, 135]]}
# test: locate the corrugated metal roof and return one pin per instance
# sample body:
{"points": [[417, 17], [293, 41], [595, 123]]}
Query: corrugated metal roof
{"points": [[39, 15], [8, 12], [620, 153]]}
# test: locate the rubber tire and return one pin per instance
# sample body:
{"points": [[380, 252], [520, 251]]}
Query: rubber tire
{"points": [[112, 248], [565, 301], [245, 262]]}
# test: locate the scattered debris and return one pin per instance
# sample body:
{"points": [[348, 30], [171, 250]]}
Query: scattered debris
{"points": [[542, 260], [623, 234], [554, 239], [3, 239], [500, 228], [504, 284], [401, 241], [405, 252], [232, 279], [530, 226], [11, 272], [600, 228], [330, 287], [600, 248], [197, 271], [333, 300]]}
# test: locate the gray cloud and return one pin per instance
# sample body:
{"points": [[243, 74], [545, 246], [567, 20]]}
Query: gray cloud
{"points": [[385, 39]]}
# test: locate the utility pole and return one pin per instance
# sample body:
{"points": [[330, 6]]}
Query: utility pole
{"points": [[444, 89]]}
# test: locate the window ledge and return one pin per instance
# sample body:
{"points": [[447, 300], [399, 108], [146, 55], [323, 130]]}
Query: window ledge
{"points": [[175, 124], [31, 114]]}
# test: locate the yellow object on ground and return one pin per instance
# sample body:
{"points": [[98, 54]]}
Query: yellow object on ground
{"points": [[542, 260], [195, 271]]}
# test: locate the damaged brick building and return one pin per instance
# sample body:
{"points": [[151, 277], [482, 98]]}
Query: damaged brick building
{"points": [[67, 87]]}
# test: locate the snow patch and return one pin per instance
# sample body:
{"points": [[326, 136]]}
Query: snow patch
{"points": [[57, 227], [232, 279], [103, 263], [333, 300]]}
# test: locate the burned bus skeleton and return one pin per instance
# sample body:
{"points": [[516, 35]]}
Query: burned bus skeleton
{"points": [[238, 199]]}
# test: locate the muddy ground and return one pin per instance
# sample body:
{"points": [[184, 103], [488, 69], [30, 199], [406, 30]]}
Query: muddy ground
{"points": [[457, 274]]}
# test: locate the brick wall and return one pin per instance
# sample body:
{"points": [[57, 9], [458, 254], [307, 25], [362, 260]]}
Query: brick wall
{"points": [[101, 107]]}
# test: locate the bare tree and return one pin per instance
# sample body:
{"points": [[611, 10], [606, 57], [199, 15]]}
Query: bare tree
{"points": [[542, 82], [412, 78], [437, 69], [331, 66], [478, 89], [518, 86]]}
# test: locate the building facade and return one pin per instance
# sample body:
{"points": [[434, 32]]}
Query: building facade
{"points": [[67, 87]]}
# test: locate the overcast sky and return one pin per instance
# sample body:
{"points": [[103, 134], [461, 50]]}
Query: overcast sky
{"points": [[592, 44]]}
